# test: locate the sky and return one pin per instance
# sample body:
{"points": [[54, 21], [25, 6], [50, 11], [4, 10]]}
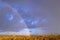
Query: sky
{"points": [[40, 16]]}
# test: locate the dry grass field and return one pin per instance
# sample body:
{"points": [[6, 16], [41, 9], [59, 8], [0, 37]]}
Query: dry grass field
{"points": [[46, 37]]}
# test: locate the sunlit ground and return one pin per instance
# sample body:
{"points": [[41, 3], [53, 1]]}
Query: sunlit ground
{"points": [[46, 37]]}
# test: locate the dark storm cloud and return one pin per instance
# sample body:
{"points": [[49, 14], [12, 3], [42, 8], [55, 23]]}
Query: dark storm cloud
{"points": [[35, 13]]}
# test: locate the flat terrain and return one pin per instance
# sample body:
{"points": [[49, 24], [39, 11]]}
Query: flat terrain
{"points": [[46, 37]]}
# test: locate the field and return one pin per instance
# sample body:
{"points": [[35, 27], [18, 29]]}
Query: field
{"points": [[46, 37]]}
